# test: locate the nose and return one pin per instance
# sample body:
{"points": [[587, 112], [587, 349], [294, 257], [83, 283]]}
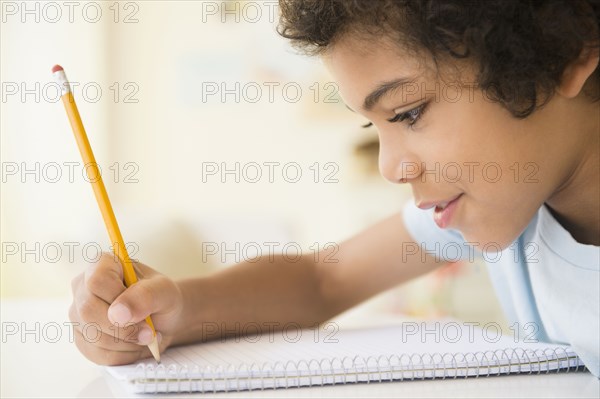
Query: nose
{"points": [[397, 165]]}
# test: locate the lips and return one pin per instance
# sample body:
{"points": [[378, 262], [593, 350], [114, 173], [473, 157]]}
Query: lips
{"points": [[442, 215], [438, 204]]}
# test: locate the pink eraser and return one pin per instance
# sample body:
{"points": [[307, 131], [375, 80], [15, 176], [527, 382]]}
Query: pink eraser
{"points": [[57, 68]]}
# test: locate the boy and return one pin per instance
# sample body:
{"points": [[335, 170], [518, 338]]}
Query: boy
{"points": [[505, 93]]}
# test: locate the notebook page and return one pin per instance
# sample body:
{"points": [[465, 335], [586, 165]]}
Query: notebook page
{"points": [[330, 356]]}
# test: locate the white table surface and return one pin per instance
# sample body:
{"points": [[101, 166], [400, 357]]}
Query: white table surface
{"points": [[57, 369]]}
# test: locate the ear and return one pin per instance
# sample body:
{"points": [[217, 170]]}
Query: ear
{"points": [[577, 72]]}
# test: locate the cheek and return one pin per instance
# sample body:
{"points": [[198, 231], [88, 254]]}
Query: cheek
{"points": [[478, 148], [502, 200], [451, 134], [480, 144], [481, 150]]}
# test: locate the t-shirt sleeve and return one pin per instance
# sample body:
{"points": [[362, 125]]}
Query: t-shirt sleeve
{"points": [[445, 244]]}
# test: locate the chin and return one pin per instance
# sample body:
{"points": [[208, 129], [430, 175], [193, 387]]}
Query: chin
{"points": [[491, 240], [493, 232]]}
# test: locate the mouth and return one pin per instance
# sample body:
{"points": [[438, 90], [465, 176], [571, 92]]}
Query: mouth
{"points": [[444, 210]]}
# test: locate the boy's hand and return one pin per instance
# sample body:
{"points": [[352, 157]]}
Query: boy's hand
{"points": [[109, 317]]}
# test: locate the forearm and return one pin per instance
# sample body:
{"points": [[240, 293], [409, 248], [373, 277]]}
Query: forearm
{"points": [[267, 295], [273, 293]]}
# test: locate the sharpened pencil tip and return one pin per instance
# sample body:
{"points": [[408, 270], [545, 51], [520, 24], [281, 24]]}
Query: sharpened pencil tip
{"points": [[153, 346]]}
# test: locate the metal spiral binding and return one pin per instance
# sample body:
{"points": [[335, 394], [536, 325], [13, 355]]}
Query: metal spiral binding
{"points": [[327, 371]]}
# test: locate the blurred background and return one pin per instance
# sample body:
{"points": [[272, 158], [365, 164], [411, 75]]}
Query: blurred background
{"points": [[213, 137]]}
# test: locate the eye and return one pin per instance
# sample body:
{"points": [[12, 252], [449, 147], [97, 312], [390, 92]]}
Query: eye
{"points": [[412, 116]]}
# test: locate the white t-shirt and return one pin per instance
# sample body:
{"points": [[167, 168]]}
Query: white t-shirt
{"points": [[545, 281]]}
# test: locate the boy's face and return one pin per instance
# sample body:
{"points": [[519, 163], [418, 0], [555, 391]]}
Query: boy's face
{"points": [[464, 146]]}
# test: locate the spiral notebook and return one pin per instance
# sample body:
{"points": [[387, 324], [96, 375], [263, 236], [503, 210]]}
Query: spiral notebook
{"points": [[297, 358]]}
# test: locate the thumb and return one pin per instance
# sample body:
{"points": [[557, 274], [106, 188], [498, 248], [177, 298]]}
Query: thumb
{"points": [[140, 300]]}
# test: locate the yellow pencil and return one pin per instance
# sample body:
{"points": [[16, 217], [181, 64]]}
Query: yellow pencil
{"points": [[94, 176]]}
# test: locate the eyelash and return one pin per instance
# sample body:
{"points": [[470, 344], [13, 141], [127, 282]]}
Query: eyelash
{"points": [[414, 115], [401, 117]]}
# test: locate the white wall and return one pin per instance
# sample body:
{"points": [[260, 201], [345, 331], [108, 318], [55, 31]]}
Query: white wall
{"points": [[35, 131]]}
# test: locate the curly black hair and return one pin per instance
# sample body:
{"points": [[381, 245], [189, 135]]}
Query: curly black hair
{"points": [[521, 46]]}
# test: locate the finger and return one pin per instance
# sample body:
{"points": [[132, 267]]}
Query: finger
{"points": [[107, 357], [108, 342], [92, 312], [142, 299], [105, 278]]}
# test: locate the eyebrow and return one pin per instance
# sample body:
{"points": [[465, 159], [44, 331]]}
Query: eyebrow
{"points": [[383, 89]]}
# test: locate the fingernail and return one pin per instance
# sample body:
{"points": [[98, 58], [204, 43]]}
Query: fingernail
{"points": [[119, 314], [145, 336], [159, 337]]}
